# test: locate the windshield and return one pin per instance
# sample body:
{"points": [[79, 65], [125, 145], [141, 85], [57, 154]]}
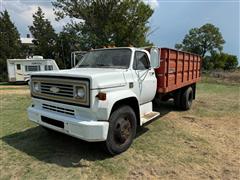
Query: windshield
{"points": [[106, 58], [78, 56]]}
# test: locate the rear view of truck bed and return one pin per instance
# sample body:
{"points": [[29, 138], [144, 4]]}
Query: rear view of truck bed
{"points": [[177, 69]]}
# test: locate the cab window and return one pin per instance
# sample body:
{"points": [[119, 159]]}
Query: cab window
{"points": [[48, 67], [141, 61]]}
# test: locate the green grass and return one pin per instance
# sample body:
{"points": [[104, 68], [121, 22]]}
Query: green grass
{"points": [[4, 83], [168, 147], [217, 100]]}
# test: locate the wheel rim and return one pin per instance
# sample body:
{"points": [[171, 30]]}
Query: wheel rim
{"points": [[122, 130]]}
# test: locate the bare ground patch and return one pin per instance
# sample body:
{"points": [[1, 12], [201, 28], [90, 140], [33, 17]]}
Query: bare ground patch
{"points": [[222, 134], [14, 91], [14, 87], [211, 153]]}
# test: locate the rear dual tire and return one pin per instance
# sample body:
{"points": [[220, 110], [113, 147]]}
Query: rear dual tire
{"points": [[187, 98], [183, 100]]}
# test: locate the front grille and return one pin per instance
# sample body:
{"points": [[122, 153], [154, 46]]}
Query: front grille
{"points": [[63, 90], [58, 109]]}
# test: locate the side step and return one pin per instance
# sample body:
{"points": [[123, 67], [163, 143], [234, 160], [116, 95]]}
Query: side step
{"points": [[149, 116]]}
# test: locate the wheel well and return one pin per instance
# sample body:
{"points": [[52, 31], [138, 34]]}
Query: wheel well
{"points": [[132, 102]]}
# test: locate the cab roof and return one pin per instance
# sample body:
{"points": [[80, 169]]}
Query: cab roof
{"points": [[131, 48]]}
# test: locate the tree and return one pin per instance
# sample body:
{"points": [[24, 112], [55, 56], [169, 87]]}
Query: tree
{"points": [[231, 62], [202, 40], [107, 22], [9, 43], [44, 35], [68, 41], [220, 61]]}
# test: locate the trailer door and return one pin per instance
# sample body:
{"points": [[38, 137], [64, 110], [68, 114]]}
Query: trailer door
{"points": [[19, 72]]}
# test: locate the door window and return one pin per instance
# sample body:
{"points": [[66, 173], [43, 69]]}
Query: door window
{"points": [[18, 66], [141, 61]]}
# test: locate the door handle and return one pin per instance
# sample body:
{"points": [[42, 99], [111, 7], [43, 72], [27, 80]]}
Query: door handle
{"points": [[152, 73]]}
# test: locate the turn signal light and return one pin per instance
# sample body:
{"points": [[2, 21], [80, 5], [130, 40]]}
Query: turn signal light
{"points": [[101, 96]]}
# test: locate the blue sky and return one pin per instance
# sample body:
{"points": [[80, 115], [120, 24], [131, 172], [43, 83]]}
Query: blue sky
{"points": [[171, 19]]}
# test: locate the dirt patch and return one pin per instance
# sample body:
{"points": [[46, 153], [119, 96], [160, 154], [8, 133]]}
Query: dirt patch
{"points": [[208, 146], [14, 87], [224, 135], [14, 91]]}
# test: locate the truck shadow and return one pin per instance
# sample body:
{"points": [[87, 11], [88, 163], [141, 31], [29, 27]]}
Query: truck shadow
{"points": [[54, 147], [163, 108], [63, 150]]}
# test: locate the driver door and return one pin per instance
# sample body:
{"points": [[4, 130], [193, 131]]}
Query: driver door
{"points": [[144, 77]]}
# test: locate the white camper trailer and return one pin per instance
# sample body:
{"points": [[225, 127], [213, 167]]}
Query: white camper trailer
{"points": [[19, 70]]}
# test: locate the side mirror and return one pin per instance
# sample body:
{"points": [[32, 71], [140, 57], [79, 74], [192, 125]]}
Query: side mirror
{"points": [[155, 57]]}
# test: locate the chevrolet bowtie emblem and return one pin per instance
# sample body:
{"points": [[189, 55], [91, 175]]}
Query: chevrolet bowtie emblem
{"points": [[54, 89]]}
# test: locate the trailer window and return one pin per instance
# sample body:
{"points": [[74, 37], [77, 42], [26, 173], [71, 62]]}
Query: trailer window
{"points": [[48, 67], [32, 68], [18, 66], [141, 61]]}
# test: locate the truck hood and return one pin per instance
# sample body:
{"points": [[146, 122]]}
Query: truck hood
{"points": [[100, 78]]}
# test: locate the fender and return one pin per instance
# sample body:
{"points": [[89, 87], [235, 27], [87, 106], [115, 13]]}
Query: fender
{"points": [[104, 108]]}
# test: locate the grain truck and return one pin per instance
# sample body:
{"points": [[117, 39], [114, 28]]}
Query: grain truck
{"points": [[111, 91]]}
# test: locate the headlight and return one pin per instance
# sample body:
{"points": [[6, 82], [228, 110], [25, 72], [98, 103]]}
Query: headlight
{"points": [[36, 86], [80, 92]]}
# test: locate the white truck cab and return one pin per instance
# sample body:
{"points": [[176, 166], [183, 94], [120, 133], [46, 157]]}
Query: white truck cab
{"points": [[104, 98]]}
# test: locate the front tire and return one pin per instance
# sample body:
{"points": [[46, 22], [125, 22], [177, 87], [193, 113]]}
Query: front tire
{"points": [[122, 130]]}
